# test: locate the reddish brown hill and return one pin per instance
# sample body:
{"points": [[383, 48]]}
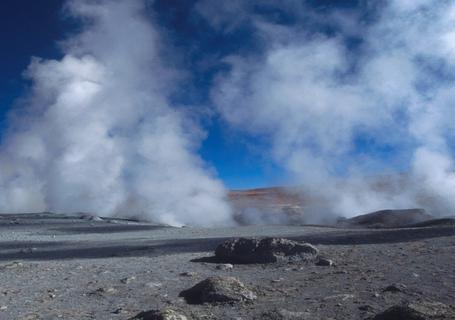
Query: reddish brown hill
{"points": [[267, 205]]}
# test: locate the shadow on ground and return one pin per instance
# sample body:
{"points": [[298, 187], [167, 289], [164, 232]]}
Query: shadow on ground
{"points": [[53, 250]]}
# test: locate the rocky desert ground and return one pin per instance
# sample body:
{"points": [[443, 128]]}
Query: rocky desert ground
{"points": [[56, 266]]}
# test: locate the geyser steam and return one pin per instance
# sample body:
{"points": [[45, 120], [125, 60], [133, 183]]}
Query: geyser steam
{"points": [[98, 135], [369, 95]]}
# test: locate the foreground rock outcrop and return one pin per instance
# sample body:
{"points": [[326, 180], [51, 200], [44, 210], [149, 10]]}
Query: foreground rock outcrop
{"points": [[218, 290], [267, 250]]}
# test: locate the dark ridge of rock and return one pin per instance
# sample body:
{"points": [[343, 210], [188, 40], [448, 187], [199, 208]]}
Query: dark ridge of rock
{"points": [[434, 223], [267, 250], [400, 313], [389, 218], [218, 290], [167, 314]]}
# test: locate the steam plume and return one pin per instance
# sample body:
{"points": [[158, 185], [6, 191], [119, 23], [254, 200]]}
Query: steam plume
{"points": [[98, 135], [372, 98]]}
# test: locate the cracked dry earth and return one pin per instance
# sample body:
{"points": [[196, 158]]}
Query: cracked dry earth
{"points": [[72, 267]]}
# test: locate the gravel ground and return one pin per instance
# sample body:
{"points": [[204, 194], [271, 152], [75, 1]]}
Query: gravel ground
{"points": [[71, 267]]}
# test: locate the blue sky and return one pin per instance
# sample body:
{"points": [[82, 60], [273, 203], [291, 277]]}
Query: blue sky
{"points": [[32, 28], [198, 46]]}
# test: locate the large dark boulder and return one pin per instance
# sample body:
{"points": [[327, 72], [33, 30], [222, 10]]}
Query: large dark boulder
{"points": [[218, 290], [267, 250]]}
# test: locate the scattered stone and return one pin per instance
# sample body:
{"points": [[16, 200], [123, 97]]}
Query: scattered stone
{"points": [[119, 311], [12, 265], [324, 262], [366, 308], [287, 315], [188, 274], [400, 312], [395, 288], [218, 289], [101, 291], [341, 272], [154, 284], [267, 250], [167, 314], [342, 297], [225, 266], [128, 279], [94, 218], [434, 309]]}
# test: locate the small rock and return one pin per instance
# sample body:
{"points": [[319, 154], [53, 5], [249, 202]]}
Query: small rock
{"points": [[267, 250], [434, 309], [154, 284], [101, 291], [365, 308], [324, 262], [12, 265], [167, 314], [218, 289], [188, 274], [128, 279], [94, 218], [119, 311], [287, 315], [225, 266], [394, 288], [400, 312], [342, 297]]}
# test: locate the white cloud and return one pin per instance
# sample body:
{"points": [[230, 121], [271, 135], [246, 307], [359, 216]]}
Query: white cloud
{"points": [[98, 134], [312, 98]]}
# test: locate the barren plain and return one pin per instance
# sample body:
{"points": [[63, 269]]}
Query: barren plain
{"points": [[79, 267]]}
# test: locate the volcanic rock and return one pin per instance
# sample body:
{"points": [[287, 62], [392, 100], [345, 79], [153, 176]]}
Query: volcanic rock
{"points": [[435, 310], [225, 266], [287, 315], [389, 218], [267, 250], [218, 290], [400, 313], [324, 262], [394, 288], [167, 314]]}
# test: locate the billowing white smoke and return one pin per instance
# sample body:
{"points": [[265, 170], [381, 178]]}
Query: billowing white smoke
{"points": [[98, 135], [324, 109]]}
